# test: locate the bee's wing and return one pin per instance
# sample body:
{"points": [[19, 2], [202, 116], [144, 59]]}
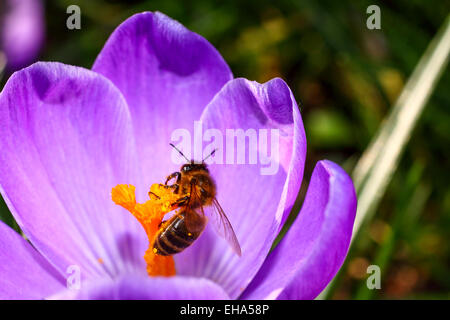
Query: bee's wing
{"points": [[195, 221], [223, 226]]}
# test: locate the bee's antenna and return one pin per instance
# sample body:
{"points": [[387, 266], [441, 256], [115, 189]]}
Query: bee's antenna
{"points": [[180, 152], [212, 152]]}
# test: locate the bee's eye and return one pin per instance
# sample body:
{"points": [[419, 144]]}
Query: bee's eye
{"points": [[186, 168]]}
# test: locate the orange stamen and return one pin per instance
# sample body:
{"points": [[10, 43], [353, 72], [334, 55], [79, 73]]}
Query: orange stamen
{"points": [[150, 215]]}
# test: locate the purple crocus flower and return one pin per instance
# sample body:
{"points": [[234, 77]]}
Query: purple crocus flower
{"points": [[69, 135], [22, 31]]}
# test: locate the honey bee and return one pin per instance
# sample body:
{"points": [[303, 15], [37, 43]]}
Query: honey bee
{"points": [[197, 190]]}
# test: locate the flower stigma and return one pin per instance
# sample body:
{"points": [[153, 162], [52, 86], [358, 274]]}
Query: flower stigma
{"points": [[150, 214]]}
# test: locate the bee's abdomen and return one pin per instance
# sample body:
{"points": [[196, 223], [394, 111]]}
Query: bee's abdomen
{"points": [[174, 237]]}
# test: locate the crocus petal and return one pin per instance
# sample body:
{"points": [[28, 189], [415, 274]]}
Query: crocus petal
{"points": [[21, 31], [255, 203], [66, 140], [315, 246], [167, 74], [132, 287], [24, 273]]}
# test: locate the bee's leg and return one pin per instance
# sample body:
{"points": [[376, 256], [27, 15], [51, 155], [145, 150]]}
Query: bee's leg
{"points": [[162, 224], [150, 194], [175, 187], [181, 201], [193, 184], [173, 175]]}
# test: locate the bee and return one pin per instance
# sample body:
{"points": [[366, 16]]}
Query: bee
{"points": [[197, 189]]}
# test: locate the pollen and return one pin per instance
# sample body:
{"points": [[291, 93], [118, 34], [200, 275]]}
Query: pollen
{"points": [[150, 214]]}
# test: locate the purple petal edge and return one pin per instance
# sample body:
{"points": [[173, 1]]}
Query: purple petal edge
{"points": [[255, 203], [24, 273], [167, 74], [316, 245], [133, 287], [66, 141]]}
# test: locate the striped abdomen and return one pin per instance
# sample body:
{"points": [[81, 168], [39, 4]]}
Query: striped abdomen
{"points": [[174, 237]]}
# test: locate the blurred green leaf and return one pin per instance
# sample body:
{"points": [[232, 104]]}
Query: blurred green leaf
{"points": [[326, 128]]}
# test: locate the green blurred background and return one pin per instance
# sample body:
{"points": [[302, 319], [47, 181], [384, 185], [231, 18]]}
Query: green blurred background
{"points": [[346, 78]]}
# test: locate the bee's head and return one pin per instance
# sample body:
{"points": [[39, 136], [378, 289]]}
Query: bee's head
{"points": [[192, 166]]}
